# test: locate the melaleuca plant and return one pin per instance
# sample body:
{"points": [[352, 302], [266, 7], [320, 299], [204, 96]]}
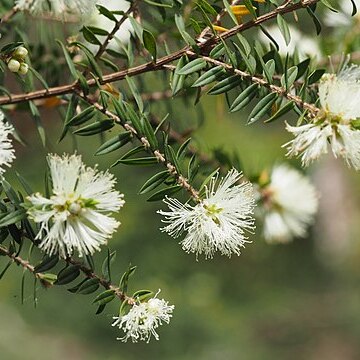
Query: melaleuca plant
{"points": [[131, 73]]}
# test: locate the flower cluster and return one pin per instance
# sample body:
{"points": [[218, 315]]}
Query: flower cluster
{"points": [[218, 222], [7, 152], [288, 204], [335, 125], [76, 216], [143, 319], [16, 61], [57, 9]]}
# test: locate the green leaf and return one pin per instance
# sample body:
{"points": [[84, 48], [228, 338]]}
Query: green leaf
{"points": [[138, 161], [209, 76], [124, 281], [192, 67], [89, 36], [159, 195], [179, 21], [106, 266], [154, 182], [67, 275], [315, 76], [81, 118], [311, 11], [12, 218], [114, 143], [88, 287], [244, 98], [289, 77], [284, 28], [149, 133], [105, 297], [282, 111], [143, 295], [69, 61], [177, 82], [262, 107], [107, 13], [226, 85], [135, 93], [47, 263], [95, 128], [150, 43], [39, 77]]}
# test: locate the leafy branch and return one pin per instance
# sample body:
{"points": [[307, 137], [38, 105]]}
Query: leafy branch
{"points": [[154, 65]]}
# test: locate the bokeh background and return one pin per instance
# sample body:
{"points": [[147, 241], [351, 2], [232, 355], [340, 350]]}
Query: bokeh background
{"points": [[295, 301]]}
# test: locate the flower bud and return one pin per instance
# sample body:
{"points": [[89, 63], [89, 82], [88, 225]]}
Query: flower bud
{"points": [[21, 52], [24, 68], [14, 65]]}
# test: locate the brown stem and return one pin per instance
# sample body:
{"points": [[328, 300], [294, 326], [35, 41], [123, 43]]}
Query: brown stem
{"points": [[25, 264]]}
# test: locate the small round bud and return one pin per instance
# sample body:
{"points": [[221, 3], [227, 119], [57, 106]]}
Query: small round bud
{"points": [[21, 52], [14, 65], [24, 68]]}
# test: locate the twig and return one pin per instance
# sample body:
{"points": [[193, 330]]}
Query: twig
{"points": [[260, 81], [26, 265]]}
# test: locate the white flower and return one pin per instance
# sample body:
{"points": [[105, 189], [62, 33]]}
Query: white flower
{"points": [[57, 9], [289, 203], [76, 216], [334, 125], [143, 319], [343, 18], [216, 223], [122, 36], [303, 44], [7, 152]]}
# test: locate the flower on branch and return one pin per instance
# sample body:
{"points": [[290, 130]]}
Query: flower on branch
{"points": [[57, 9], [218, 222], [143, 319], [7, 152], [288, 204], [76, 216], [336, 124]]}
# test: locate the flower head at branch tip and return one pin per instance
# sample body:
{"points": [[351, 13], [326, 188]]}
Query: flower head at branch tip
{"points": [[143, 319], [7, 152], [288, 204], [76, 216], [337, 124], [63, 10], [218, 222]]}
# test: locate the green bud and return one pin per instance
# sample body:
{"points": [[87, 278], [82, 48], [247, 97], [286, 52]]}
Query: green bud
{"points": [[14, 65], [24, 68], [21, 52]]}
